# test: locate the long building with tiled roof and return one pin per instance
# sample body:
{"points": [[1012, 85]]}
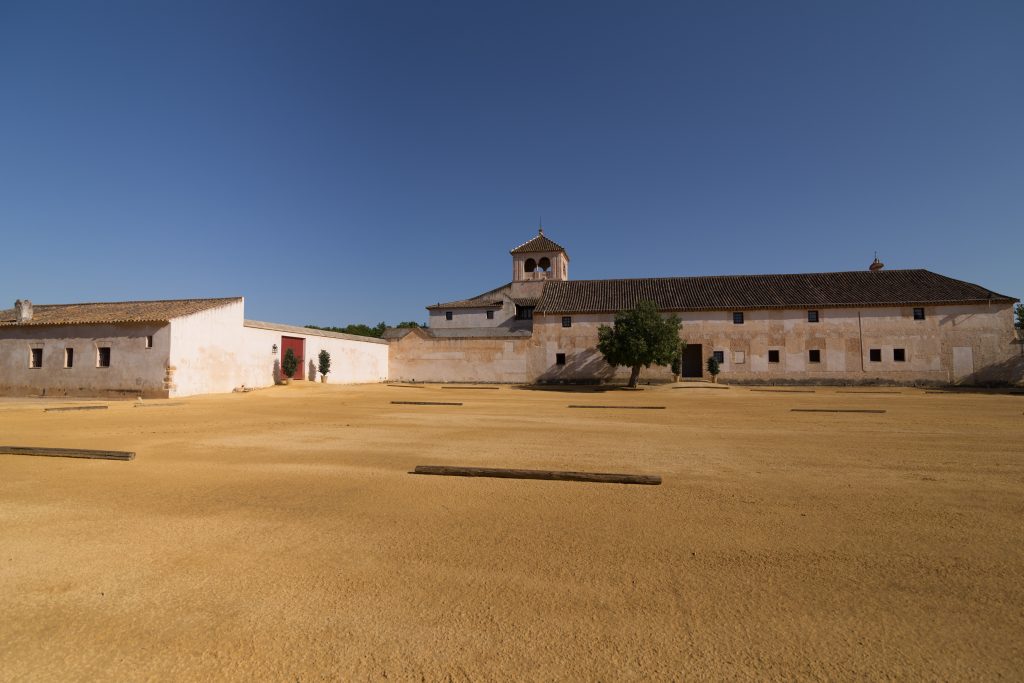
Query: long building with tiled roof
{"points": [[866, 326]]}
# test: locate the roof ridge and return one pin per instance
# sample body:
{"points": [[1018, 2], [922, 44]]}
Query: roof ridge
{"points": [[143, 301]]}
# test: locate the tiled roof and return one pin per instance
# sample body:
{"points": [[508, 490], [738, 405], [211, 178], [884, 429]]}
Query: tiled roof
{"points": [[537, 244], [729, 292], [311, 331], [526, 300], [491, 299], [113, 312]]}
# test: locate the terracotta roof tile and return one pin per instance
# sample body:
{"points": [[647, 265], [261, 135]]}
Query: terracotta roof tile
{"points": [[113, 312], [538, 244], [735, 292], [492, 299]]}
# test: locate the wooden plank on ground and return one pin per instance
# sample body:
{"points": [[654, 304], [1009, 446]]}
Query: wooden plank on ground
{"points": [[554, 475], [406, 386], [424, 403], [62, 410], [832, 410], [788, 391], [845, 391], [622, 407], [68, 453], [493, 388], [701, 386]]}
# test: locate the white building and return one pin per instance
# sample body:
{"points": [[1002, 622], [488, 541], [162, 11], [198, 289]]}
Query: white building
{"points": [[165, 349]]}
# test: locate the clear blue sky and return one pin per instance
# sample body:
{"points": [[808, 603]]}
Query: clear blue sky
{"points": [[339, 163]]}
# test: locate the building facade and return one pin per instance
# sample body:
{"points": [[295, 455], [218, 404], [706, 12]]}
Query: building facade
{"points": [[161, 349], [860, 327]]}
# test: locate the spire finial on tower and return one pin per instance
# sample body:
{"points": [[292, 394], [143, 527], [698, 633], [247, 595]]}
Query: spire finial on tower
{"points": [[540, 226]]}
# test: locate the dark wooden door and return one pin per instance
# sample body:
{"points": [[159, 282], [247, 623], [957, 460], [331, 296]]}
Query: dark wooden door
{"points": [[298, 347], [693, 357]]}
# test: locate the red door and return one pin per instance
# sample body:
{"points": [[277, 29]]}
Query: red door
{"points": [[298, 346]]}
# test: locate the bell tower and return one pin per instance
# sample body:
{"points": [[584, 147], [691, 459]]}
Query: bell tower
{"points": [[539, 259]]}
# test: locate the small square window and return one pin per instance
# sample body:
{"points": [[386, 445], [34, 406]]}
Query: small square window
{"points": [[773, 356], [875, 355], [899, 355], [812, 316], [447, 315], [103, 357], [35, 358], [69, 358], [918, 314], [737, 318], [149, 341], [814, 356], [719, 356], [490, 315], [559, 359], [566, 321]]}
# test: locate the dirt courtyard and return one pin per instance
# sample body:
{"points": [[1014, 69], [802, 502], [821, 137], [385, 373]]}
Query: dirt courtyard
{"points": [[278, 535]]}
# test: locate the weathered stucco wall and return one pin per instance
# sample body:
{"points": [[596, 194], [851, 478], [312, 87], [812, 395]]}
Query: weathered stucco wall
{"points": [[134, 369], [416, 357], [352, 361], [980, 338], [205, 351]]}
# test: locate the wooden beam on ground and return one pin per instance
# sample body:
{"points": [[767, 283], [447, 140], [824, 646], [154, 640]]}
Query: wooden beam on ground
{"points": [[788, 391], [554, 475], [493, 388], [424, 403], [622, 407], [68, 453], [62, 410], [701, 386], [846, 391], [407, 386], [832, 410]]}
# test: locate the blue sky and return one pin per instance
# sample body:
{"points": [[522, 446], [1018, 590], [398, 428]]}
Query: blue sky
{"points": [[340, 163]]}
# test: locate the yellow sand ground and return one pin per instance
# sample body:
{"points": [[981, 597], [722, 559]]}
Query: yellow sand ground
{"points": [[278, 535]]}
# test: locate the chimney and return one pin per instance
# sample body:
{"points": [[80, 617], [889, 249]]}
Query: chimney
{"points": [[23, 310]]}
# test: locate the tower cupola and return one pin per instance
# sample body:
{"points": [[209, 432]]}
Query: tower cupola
{"points": [[540, 259]]}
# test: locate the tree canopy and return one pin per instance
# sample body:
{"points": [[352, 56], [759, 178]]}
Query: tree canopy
{"points": [[639, 337], [365, 330], [1020, 316]]}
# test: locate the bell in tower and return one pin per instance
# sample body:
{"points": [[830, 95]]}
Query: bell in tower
{"points": [[539, 259]]}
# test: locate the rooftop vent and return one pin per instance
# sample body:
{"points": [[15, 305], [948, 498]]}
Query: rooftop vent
{"points": [[23, 310]]}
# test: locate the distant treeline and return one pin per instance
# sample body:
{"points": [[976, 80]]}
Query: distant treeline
{"points": [[365, 330]]}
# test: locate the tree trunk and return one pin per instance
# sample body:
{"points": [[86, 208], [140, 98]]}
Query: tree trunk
{"points": [[634, 377]]}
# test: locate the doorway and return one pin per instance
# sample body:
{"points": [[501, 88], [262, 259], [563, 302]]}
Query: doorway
{"points": [[693, 360], [298, 347]]}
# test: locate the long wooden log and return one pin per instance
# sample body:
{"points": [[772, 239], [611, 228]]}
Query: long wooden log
{"points": [[406, 386], [68, 453], [845, 391], [492, 388], [622, 407], [62, 410], [701, 386], [555, 475], [832, 410], [788, 391], [424, 403]]}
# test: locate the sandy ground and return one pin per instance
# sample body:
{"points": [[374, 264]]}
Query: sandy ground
{"points": [[278, 535]]}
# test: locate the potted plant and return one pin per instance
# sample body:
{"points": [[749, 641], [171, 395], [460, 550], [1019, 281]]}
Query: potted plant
{"points": [[677, 363], [324, 364], [289, 364], [713, 369]]}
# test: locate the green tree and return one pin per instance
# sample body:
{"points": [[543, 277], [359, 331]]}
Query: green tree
{"points": [[358, 329], [409, 323], [324, 362], [1020, 317], [677, 359], [289, 364], [640, 337]]}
